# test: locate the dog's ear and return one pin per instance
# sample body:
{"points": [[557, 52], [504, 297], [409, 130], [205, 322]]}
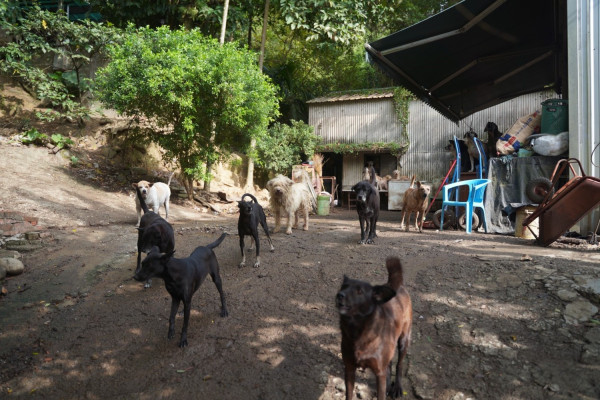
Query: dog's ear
{"points": [[140, 229], [383, 293], [418, 184], [134, 185], [165, 256]]}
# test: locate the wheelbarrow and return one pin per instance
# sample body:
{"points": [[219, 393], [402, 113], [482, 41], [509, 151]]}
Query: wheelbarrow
{"points": [[560, 210]]}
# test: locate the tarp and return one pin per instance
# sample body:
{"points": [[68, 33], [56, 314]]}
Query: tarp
{"points": [[478, 53], [506, 192]]}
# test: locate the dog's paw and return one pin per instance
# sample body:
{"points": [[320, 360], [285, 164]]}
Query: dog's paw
{"points": [[289, 232], [183, 343], [256, 264], [395, 391], [147, 285], [370, 241], [242, 265], [305, 228], [224, 313], [361, 241], [272, 249]]}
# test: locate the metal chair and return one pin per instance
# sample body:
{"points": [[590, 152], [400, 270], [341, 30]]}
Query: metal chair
{"points": [[474, 200]]}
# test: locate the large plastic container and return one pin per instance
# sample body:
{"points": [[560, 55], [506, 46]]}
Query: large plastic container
{"points": [[323, 204], [555, 116], [522, 231]]}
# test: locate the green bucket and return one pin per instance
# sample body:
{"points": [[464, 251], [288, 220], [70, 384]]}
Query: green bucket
{"points": [[555, 116], [323, 204]]}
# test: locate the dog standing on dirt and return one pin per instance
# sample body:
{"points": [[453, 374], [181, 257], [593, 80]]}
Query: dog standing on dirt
{"points": [[374, 321], [183, 277], [289, 198], [416, 199], [367, 207], [252, 214], [153, 230], [155, 195]]}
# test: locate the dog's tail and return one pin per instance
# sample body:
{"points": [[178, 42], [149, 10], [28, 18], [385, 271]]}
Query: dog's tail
{"points": [[170, 177], [217, 242], [395, 272], [412, 181], [249, 195], [140, 198]]}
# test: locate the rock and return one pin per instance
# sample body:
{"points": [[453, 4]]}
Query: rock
{"points": [[566, 295], [12, 266], [2, 272], [579, 311], [591, 289]]}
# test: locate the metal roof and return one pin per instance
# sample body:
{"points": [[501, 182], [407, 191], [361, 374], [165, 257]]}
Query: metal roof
{"points": [[351, 97], [478, 53]]}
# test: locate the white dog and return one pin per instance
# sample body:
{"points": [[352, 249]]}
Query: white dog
{"points": [[289, 198], [155, 195]]}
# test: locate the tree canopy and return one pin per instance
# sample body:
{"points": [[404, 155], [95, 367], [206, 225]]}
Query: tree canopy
{"points": [[201, 99]]}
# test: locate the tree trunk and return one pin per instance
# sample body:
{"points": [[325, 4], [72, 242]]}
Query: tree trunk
{"points": [[224, 22], [250, 176]]}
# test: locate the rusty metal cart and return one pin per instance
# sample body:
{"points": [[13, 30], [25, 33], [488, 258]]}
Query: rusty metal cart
{"points": [[561, 210]]}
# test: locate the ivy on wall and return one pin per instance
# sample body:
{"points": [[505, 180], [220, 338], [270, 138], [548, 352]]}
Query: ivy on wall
{"points": [[402, 99]]}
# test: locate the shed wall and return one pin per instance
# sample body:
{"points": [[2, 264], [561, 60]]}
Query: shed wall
{"points": [[358, 121]]}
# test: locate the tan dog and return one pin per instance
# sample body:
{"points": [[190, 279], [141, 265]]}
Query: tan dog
{"points": [[155, 195], [415, 200], [472, 148], [381, 181], [289, 198]]}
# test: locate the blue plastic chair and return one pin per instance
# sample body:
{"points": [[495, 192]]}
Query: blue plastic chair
{"points": [[474, 200], [482, 167]]}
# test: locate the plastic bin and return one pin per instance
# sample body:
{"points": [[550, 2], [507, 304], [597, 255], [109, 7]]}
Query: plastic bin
{"points": [[323, 204], [555, 116]]}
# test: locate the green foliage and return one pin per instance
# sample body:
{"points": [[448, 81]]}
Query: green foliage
{"points": [[202, 99], [39, 36], [33, 136], [74, 161], [285, 146], [60, 141], [355, 148]]}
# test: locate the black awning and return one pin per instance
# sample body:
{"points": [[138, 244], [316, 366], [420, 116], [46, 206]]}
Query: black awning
{"points": [[478, 53]]}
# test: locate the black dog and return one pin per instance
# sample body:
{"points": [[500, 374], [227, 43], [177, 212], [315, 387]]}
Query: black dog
{"points": [[493, 135], [367, 207], [251, 214], [154, 230], [375, 320], [183, 276]]}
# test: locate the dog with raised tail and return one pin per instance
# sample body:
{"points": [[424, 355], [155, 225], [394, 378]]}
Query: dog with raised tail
{"points": [[251, 214], [416, 199], [375, 321], [183, 277]]}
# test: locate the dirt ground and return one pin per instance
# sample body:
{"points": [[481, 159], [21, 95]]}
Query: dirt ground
{"points": [[490, 311]]}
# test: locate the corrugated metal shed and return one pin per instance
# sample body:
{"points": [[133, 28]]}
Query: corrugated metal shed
{"points": [[372, 118], [355, 118]]}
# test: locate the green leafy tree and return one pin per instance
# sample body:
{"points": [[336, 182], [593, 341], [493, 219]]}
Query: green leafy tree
{"points": [[286, 146], [201, 99], [36, 37]]}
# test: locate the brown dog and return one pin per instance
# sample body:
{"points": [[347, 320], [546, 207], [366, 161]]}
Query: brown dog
{"points": [[374, 320], [415, 200]]}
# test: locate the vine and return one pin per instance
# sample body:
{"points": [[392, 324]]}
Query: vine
{"points": [[355, 148], [402, 98]]}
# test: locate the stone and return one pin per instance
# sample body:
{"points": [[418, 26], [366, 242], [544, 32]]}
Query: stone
{"points": [[566, 295], [2, 272], [579, 311], [12, 266]]}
